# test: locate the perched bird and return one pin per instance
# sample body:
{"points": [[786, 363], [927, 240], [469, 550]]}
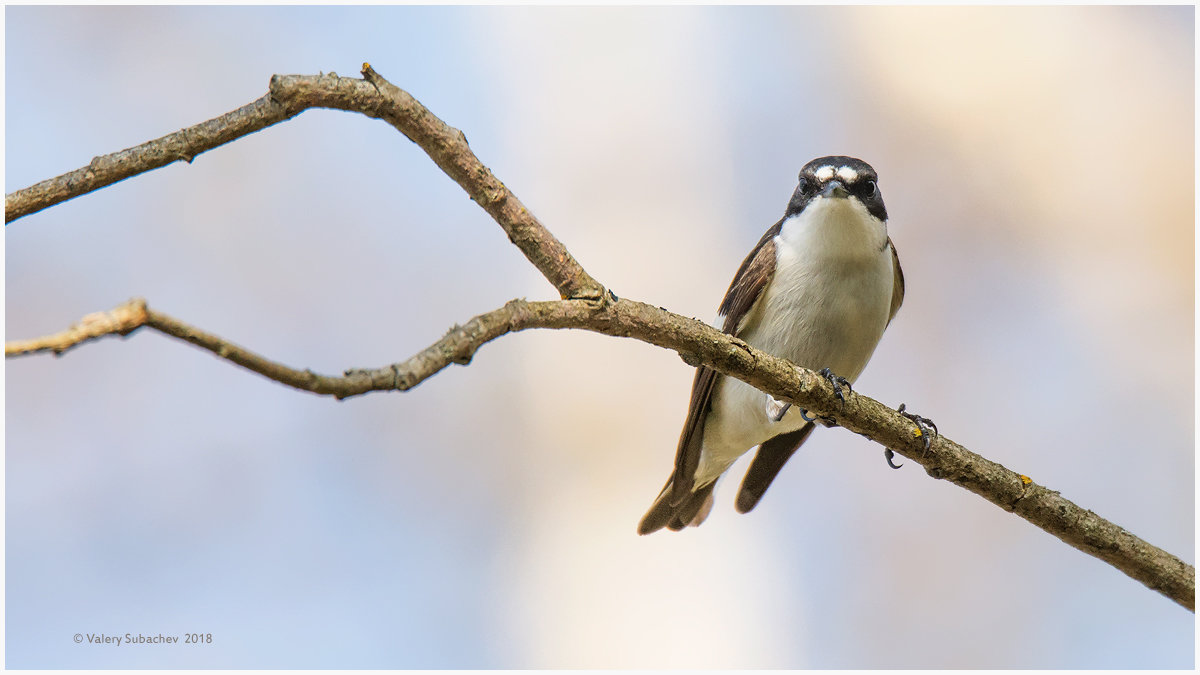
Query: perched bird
{"points": [[819, 289]]}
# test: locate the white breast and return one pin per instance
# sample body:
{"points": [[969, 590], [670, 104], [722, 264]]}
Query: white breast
{"points": [[825, 307]]}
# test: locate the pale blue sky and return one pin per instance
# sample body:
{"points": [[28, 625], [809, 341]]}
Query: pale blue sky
{"points": [[1038, 168]]}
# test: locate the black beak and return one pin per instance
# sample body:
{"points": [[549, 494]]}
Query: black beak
{"points": [[834, 188]]}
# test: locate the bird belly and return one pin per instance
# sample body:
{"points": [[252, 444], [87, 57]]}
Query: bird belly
{"points": [[815, 313]]}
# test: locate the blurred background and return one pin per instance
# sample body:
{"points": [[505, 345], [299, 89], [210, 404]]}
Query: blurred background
{"points": [[1038, 167]]}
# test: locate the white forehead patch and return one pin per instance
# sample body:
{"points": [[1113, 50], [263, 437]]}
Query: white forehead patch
{"points": [[847, 174], [824, 173]]}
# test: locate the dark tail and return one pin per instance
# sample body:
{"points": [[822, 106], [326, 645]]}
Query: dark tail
{"points": [[770, 458], [691, 510]]}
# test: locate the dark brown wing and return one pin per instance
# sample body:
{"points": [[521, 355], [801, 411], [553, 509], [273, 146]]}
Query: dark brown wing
{"points": [[751, 278], [773, 454], [897, 284], [687, 455]]}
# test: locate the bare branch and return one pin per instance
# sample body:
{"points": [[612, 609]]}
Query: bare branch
{"points": [[697, 343], [182, 145], [120, 320], [586, 306], [375, 97], [457, 346]]}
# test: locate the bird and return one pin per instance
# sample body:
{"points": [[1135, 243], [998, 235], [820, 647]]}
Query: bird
{"points": [[818, 289]]}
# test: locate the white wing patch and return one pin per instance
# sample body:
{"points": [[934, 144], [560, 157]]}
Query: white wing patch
{"points": [[776, 408], [824, 173], [847, 174]]}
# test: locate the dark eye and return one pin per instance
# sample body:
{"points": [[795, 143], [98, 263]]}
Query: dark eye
{"points": [[871, 187]]}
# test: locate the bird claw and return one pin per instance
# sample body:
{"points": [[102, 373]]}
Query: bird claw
{"points": [[837, 382], [889, 455], [926, 429], [826, 422], [775, 412]]}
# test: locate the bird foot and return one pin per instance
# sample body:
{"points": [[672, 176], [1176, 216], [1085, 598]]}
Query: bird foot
{"points": [[837, 382], [926, 429], [823, 421], [889, 455]]}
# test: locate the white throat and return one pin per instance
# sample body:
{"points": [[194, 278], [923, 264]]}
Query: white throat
{"points": [[841, 229]]}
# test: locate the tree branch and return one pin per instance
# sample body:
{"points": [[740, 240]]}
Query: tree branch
{"points": [[697, 343], [182, 145], [374, 96], [586, 306]]}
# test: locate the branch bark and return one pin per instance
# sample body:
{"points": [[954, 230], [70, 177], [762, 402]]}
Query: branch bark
{"points": [[373, 96], [586, 306]]}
